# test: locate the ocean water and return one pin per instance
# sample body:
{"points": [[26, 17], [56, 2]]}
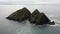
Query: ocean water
{"points": [[52, 11]]}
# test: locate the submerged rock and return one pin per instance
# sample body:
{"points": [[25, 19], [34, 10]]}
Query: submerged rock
{"points": [[20, 15], [39, 18]]}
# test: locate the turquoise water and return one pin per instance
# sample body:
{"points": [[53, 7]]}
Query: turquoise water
{"points": [[14, 27]]}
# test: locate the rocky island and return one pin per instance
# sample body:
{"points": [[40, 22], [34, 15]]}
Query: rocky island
{"points": [[20, 15], [36, 17], [39, 18]]}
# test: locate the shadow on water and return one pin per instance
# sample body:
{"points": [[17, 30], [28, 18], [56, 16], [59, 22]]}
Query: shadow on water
{"points": [[42, 27]]}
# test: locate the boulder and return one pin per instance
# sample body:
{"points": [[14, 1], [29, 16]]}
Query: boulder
{"points": [[20, 15]]}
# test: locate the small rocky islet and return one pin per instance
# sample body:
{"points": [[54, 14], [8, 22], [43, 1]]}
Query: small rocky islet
{"points": [[39, 18], [20, 15], [35, 18]]}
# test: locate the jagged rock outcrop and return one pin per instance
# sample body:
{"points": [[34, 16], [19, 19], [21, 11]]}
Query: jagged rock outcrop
{"points": [[20, 15], [52, 23], [39, 18]]}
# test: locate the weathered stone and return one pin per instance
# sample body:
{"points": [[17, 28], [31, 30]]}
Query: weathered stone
{"points": [[39, 18], [20, 15]]}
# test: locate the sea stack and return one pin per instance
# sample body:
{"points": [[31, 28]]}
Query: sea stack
{"points": [[39, 18], [20, 15]]}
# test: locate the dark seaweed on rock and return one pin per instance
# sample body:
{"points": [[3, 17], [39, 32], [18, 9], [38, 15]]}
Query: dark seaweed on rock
{"points": [[20, 15]]}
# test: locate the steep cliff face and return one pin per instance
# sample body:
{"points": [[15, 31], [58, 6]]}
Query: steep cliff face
{"points": [[39, 18], [20, 15]]}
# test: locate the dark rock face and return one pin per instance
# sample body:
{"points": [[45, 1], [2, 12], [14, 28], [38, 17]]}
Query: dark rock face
{"points": [[43, 20], [39, 18], [34, 17], [20, 15], [52, 23]]}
